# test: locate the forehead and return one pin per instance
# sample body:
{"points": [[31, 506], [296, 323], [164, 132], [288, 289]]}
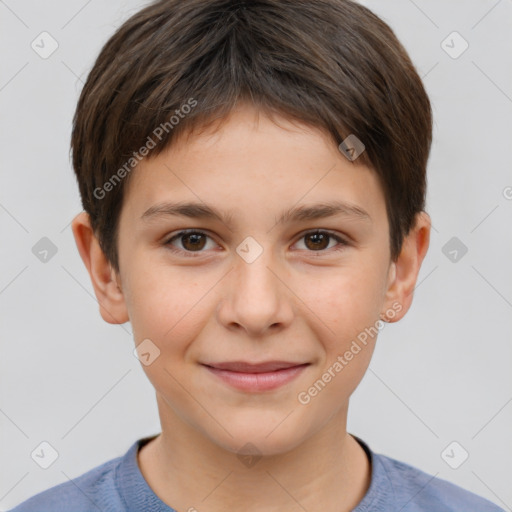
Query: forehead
{"points": [[253, 165]]}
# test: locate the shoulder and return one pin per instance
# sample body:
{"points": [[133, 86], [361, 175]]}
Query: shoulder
{"points": [[93, 490], [417, 491]]}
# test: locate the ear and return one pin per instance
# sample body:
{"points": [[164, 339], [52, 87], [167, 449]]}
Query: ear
{"points": [[403, 273], [106, 282]]}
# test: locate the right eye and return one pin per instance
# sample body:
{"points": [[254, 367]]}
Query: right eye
{"points": [[192, 241]]}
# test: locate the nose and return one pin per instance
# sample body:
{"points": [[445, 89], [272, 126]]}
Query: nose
{"points": [[255, 297]]}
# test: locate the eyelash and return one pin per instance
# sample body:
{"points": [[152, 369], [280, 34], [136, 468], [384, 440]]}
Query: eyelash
{"points": [[195, 254]]}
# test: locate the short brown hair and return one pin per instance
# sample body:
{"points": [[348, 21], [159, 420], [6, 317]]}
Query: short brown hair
{"points": [[332, 64]]}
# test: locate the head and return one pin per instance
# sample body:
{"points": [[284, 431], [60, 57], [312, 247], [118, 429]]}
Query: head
{"points": [[241, 107]]}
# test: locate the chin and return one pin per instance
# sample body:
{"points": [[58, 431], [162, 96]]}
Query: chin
{"points": [[262, 434]]}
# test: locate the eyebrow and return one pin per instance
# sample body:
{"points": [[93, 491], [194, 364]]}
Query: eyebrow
{"points": [[295, 214]]}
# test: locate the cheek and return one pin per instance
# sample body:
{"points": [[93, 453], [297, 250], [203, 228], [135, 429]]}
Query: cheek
{"points": [[164, 305], [349, 310], [345, 301], [166, 308]]}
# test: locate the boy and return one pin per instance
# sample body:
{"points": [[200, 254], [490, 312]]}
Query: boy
{"points": [[292, 138]]}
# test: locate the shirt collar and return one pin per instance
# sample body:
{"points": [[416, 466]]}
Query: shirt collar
{"points": [[138, 495]]}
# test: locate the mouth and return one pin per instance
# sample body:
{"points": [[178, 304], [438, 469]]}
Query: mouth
{"points": [[251, 377]]}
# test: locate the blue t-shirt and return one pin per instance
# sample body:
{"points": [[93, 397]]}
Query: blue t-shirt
{"points": [[118, 485]]}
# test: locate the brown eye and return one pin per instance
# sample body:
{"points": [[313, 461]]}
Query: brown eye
{"points": [[193, 241], [190, 242], [319, 241]]}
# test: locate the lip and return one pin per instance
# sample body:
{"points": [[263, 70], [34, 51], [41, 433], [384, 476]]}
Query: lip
{"points": [[251, 377]]}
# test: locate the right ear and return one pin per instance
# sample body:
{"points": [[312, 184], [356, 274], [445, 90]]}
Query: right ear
{"points": [[106, 282]]}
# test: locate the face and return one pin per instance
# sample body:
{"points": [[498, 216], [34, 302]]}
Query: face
{"points": [[246, 311]]}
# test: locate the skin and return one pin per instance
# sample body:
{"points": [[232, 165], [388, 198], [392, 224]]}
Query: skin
{"points": [[295, 302]]}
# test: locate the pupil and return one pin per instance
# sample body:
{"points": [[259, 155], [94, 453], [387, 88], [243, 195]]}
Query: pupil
{"points": [[195, 238], [319, 238]]}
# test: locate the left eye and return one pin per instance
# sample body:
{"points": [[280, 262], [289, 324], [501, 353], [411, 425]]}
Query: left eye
{"points": [[194, 241], [319, 240]]}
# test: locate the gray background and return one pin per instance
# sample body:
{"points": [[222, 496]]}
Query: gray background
{"points": [[442, 374]]}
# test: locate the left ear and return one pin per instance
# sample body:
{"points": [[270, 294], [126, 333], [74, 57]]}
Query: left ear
{"points": [[105, 281], [403, 273]]}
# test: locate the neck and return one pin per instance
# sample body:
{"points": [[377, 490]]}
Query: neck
{"points": [[329, 471]]}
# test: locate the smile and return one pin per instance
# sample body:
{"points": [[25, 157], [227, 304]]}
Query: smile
{"points": [[256, 377]]}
